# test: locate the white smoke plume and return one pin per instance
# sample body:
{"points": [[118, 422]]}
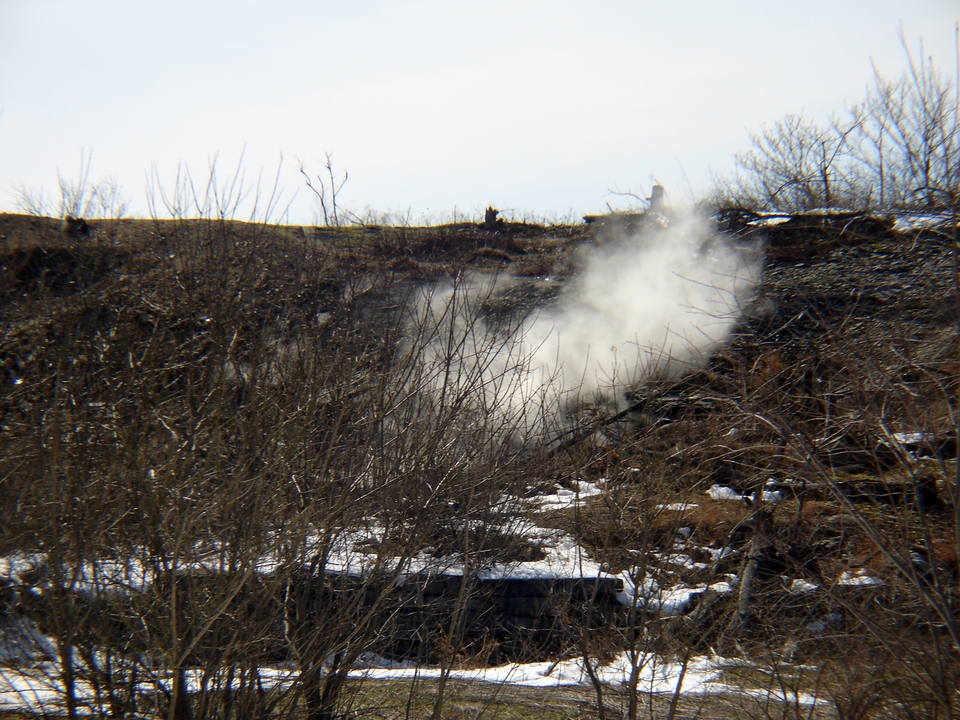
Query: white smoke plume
{"points": [[644, 305]]}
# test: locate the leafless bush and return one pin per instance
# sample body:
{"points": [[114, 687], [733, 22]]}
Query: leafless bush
{"points": [[79, 198], [326, 191]]}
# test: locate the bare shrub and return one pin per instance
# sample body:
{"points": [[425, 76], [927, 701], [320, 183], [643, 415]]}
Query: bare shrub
{"points": [[899, 148], [908, 145], [326, 191], [79, 198], [795, 165]]}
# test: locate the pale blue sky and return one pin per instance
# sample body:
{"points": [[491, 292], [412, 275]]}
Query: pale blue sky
{"points": [[538, 107]]}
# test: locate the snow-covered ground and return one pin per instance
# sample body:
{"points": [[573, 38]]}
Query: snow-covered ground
{"points": [[351, 552], [911, 222], [38, 689]]}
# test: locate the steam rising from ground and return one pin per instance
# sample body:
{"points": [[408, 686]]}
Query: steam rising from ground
{"points": [[644, 305]]}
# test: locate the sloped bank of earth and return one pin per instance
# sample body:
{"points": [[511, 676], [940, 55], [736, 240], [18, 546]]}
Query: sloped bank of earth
{"points": [[854, 279]]}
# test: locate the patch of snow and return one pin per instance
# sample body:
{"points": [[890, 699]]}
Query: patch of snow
{"points": [[102, 575], [565, 499], [16, 564], [21, 641], [800, 586], [922, 221], [565, 559], [702, 675], [858, 579], [650, 596], [656, 675], [770, 220], [38, 689], [732, 583], [675, 601], [722, 492], [677, 507], [909, 438]]}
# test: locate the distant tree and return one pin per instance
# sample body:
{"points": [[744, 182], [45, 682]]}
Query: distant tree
{"points": [[794, 165], [908, 142]]}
